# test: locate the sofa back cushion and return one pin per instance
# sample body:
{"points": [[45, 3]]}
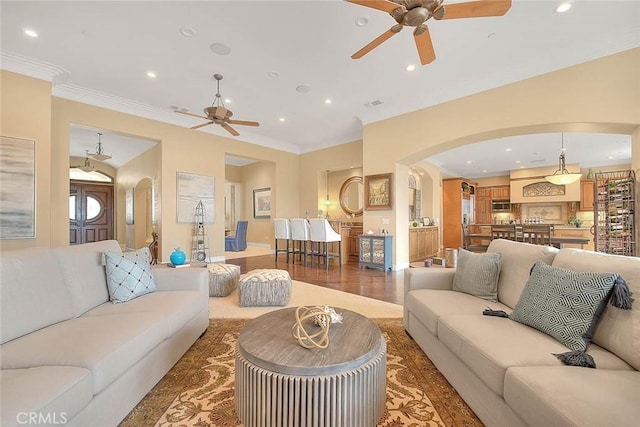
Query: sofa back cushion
{"points": [[32, 294], [618, 330], [517, 260], [84, 273]]}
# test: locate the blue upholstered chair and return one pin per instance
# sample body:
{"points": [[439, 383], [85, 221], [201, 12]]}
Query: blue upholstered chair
{"points": [[238, 242]]}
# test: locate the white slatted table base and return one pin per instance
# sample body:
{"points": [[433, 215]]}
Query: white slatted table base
{"points": [[352, 398]]}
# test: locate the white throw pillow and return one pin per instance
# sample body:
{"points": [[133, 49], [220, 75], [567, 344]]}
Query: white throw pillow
{"points": [[129, 275]]}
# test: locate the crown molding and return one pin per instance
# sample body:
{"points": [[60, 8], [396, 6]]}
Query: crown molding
{"points": [[20, 64]]}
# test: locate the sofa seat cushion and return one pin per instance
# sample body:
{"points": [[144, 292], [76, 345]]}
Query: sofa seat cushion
{"points": [[179, 307], [618, 330], [427, 305], [106, 345], [491, 345], [55, 392], [572, 396]]}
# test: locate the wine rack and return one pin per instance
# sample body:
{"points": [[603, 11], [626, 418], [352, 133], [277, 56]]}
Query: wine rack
{"points": [[614, 212]]}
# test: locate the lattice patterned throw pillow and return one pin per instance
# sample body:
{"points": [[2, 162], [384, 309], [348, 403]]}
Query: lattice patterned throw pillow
{"points": [[563, 303], [477, 274], [129, 275]]}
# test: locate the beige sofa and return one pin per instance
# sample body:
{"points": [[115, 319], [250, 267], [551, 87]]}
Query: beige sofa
{"points": [[71, 357], [506, 371]]}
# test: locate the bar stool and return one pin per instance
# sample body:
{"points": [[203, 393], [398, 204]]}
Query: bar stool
{"points": [[301, 233], [282, 231], [322, 233]]}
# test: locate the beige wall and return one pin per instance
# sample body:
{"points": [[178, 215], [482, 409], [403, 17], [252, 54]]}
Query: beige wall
{"points": [[597, 96], [25, 109]]}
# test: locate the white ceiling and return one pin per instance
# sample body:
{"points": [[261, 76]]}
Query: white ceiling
{"points": [[99, 53]]}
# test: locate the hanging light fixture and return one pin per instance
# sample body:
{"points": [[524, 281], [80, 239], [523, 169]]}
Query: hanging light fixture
{"points": [[562, 176], [327, 201], [99, 154], [87, 167]]}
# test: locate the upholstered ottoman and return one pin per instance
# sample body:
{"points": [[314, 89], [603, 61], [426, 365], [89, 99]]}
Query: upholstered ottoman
{"points": [[223, 279], [265, 287]]}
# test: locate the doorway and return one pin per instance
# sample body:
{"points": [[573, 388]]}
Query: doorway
{"points": [[90, 212]]}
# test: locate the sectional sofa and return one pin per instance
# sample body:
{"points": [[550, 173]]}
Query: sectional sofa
{"points": [[507, 371], [69, 356]]}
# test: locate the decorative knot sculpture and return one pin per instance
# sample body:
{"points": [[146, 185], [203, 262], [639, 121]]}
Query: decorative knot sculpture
{"points": [[321, 316]]}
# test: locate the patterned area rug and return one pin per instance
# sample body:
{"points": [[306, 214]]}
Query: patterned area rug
{"points": [[198, 391]]}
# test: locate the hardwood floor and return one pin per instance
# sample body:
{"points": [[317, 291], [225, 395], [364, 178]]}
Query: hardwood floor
{"points": [[384, 286]]}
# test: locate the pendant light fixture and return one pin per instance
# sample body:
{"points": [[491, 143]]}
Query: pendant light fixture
{"points": [[99, 154], [87, 167], [562, 176]]}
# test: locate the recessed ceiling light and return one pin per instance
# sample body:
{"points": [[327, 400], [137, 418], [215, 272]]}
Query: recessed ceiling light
{"points": [[327, 101], [220, 49], [468, 161], [282, 119], [273, 74], [303, 89], [563, 7], [361, 21], [518, 161], [31, 33], [227, 100], [484, 171], [187, 31], [410, 67], [610, 157], [151, 74], [507, 149]]}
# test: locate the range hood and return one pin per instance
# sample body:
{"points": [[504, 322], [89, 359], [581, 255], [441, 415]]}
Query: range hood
{"points": [[529, 186]]}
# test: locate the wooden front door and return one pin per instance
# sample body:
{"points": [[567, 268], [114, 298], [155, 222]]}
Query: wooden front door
{"points": [[90, 212]]}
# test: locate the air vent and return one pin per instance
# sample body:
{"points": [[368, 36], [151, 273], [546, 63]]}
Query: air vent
{"points": [[374, 103]]}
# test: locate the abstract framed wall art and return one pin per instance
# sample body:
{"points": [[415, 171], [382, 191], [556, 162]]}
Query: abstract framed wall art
{"points": [[377, 192], [18, 189], [191, 189]]}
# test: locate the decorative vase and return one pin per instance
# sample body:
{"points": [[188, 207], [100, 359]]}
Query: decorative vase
{"points": [[177, 257]]}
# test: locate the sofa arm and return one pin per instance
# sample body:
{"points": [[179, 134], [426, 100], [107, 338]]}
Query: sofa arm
{"points": [[428, 278], [181, 279]]}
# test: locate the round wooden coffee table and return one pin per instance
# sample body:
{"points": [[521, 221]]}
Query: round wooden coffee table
{"points": [[278, 382]]}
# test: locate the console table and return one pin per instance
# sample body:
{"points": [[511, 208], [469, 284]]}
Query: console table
{"points": [[280, 383], [375, 251]]}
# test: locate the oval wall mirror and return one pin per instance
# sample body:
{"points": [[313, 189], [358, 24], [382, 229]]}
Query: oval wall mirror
{"points": [[351, 196]]}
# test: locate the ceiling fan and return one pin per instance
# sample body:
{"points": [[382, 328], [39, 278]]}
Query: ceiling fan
{"points": [[414, 13], [217, 113]]}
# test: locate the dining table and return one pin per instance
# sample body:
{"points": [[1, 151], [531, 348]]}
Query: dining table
{"points": [[557, 241]]}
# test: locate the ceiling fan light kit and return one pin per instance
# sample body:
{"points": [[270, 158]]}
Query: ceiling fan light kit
{"points": [[562, 176], [414, 13], [218, 114]]}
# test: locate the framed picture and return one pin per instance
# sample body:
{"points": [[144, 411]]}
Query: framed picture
{"points": [[377, 192], [192, 189], [128, 206], [262, 203], [18, 189], [426, 220]]}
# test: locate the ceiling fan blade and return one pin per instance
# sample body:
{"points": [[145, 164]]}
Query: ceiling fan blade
{"points": [[201, 126], [383, 5], [424, 44], [229, 129], [476, 9], [191, 114], [377, 41], [243, 122]]}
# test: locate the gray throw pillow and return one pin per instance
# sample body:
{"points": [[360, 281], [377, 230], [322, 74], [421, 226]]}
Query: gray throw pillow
{"points": [[563, 303], [129, 275], [477, 274]]}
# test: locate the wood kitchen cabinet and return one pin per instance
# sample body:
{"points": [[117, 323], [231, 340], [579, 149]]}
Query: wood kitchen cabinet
{"points": [[354, 246], [458, 204], [483, 205], [501, 192], [423, 243], [586, 195]]}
